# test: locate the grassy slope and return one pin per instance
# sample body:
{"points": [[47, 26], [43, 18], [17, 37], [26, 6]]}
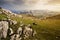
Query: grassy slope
{"points": [[49, 29], [46, 29], [54, 17]]}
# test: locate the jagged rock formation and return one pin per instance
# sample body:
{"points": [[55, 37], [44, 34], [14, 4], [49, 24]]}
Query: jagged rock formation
{"points": [[3, 29], [23, 32]]}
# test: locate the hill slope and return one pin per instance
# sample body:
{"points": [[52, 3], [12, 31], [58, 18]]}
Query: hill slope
{"points": [[54, 17], [47, 29]]}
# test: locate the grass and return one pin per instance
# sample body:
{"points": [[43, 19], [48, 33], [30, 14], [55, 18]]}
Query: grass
{"points": [[48, 29], [3, 16]]}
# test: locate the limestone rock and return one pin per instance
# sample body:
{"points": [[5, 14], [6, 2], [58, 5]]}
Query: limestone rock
{"points": [[12, 22], [3, 28], [19, 31], [12, 37], [27, 32], [11, 31], [23, 32]]}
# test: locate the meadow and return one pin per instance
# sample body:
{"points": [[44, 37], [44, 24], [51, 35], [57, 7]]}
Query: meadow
{"points": [[46, 29]]}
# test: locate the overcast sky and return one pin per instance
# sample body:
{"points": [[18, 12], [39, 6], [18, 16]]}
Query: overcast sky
{"points": [[31, 4]]}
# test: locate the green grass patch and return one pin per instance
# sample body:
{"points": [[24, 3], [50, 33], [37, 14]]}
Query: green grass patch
{"points": [[3, 16]]}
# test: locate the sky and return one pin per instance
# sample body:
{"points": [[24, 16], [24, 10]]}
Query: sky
{"points": [[53, 5]]}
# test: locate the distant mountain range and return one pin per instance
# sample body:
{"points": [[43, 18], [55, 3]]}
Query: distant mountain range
{"points": [[35, 13], [39, 13]]}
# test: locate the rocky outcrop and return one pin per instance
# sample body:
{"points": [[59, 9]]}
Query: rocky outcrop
{"points": [[3, 29], [21, 33], [12, 22]]}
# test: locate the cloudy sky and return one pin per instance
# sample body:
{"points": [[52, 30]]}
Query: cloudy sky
{"points": [[53, 5]]}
